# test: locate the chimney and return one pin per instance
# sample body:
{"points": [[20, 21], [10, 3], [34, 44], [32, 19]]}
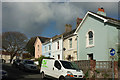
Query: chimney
{"points": [[68, 28], [101, 11], [78, 21]]}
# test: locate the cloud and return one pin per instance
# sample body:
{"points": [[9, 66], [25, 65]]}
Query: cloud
{"points": [[32, 18]]}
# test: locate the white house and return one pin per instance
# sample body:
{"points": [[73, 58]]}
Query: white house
{"points": [[57, 47]]}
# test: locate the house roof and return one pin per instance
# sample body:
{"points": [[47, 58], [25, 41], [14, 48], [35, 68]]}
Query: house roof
{"points": [[33, 40], [110, 20], [64, 35], [104, 18], [43, 39], [68, 34], [57, 37]]}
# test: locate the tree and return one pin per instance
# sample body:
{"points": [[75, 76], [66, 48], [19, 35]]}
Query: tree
{"points": [[13, 42], [30, 46]]}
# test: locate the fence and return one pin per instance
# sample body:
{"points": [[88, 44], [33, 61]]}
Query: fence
{"points": [[105, 68], [98, 69], [83, 65]]}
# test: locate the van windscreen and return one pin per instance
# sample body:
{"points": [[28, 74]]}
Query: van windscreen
{"points": [[69, 65]]}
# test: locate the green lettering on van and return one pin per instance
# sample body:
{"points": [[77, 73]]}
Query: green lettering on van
{"points": [[44, 62]]}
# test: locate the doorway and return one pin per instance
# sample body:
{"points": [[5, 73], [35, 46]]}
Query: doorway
{"points": [[90, 56]]}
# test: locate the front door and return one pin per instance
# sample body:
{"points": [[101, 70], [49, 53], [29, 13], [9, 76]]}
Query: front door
{"points": [[58, 56]]}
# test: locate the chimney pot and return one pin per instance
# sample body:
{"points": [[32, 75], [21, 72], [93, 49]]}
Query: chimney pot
{"points": [[101, 11]]}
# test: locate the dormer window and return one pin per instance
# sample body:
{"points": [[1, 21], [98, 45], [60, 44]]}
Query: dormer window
{"points": [[90, 39]]}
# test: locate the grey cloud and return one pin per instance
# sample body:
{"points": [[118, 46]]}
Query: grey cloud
{"points": [[32, 18]]}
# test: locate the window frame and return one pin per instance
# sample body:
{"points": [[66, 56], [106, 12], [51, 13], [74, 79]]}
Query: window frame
{"points": [[87, 39]]}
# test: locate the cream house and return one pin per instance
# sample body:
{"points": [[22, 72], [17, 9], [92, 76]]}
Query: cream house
{"points": [[70, 42], [70, 46]]}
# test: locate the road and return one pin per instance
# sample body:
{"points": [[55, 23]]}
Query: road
{"points": [[16, 74]]}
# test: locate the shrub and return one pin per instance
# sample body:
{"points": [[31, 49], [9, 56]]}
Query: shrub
{"points": [[41, 58]]}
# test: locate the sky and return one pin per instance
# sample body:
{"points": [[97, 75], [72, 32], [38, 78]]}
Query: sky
{"points": [[48, 18]]}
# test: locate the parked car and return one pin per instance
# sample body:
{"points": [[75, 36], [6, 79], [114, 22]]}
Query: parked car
{"points": [[16, 62], [4, 74], [28, 65], [61, 70], [2, 60]]}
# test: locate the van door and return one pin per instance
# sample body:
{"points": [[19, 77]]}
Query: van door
{"points": [[57, 69]]}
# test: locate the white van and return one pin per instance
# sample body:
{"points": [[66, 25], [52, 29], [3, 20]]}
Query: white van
{"points": [[60, 69]]}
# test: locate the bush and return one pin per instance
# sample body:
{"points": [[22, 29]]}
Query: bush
{"points": [[41, 58]]}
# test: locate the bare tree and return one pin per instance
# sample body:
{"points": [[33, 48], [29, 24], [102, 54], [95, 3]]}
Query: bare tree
{"points": [[13, 42]]}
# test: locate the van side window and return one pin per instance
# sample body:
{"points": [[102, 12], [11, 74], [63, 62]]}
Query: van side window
{"points": [[57, 65]]}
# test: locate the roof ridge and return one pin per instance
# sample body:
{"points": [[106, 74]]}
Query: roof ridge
{"points": [[104, 16]]}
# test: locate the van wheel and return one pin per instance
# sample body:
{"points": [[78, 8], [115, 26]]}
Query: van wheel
{"points": [[61, 78], [42, 75]]}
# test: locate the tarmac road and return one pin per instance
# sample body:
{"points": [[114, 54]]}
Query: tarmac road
{"points": [[16, 74]]}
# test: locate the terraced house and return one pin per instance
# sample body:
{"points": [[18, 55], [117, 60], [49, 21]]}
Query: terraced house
{"points": [[57, 47], [97, 34], [38, 45], [46, 48]]}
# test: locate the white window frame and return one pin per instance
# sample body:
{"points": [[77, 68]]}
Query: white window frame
{"points": [[87, 40]]}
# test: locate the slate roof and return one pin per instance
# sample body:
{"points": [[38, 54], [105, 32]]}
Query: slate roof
{"points": [[33, 39], [43, 39], [65, 35], [57, 37], [110, 20], [68, 34]]}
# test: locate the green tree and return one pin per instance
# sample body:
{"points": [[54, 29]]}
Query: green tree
{"points": [[13, 42], [30, 46]]}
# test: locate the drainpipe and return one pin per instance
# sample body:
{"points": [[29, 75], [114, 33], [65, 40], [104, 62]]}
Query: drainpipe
{"points": [[77, 47], [62, 49]]}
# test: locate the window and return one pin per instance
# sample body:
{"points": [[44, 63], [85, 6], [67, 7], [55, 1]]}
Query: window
{"points": [[49, 47], [58, 45], [58, 56], [57, 65], [70, 43], [69, 65], [45, 48], [38, 47], [49, 54], [90, 39], [90, 56], [90, 34]]}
